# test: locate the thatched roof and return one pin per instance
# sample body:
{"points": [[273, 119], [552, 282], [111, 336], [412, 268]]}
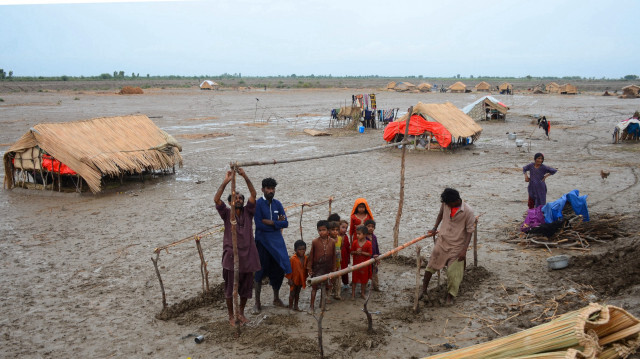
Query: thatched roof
{"points": [[505, 86], [391, 85], [552, 87], [101, 146], [568, 89], [489, 101], [483, 86], [208, 84], [451, 117], [404, 86], [424, 87], [631, 89], [458, 86]]}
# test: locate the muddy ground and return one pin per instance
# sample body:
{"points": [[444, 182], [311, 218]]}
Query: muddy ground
{"points": [[77, 279]]}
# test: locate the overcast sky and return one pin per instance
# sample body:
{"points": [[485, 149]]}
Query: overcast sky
{"points": [[321, 37]]}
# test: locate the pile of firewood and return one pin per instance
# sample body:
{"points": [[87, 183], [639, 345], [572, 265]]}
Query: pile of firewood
{"points": [[574, 233]]}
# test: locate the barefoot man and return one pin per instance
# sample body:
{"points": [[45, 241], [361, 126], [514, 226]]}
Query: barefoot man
{"points": [[450, 248], [270, 219], [247, 251]]}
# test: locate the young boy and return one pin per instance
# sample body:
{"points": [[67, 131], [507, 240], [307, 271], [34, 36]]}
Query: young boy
{"points": [[361, 252], [375, 252], [297, 279], [346, 248], [322, 258], [334, 229]]}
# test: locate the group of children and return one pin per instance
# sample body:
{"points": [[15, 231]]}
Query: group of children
{"points": [[333, 251]]}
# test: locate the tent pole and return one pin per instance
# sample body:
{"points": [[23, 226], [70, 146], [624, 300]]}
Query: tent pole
{"points": [[396, 227], [234, 239]]}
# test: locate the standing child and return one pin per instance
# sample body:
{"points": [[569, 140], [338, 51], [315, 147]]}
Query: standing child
{"points": [[375, 252], [359, 214], [346, 249], [322, 258], [297, 279], [361, 252], [334, 229]]}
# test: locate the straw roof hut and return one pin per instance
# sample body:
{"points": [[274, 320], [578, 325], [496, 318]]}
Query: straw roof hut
{"points": [[424, 87], [631, 91], [391, 85], [458, 126], [552, 87], [483, 86], [505, 86], [568, 89], [538, 89], [209, 85], [458, 87], [486, 108], [404, 87], [91, 149]]}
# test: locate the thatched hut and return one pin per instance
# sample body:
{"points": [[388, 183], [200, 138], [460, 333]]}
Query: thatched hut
{"points": [[88, 152], [568, 89], [538, 89], [458, 87], [631, 91], [444, 123], [405, 87], [486, 108], [424, 87], [483, 86], [391, 85], [209, 85], [552, 87], [505, 88]]}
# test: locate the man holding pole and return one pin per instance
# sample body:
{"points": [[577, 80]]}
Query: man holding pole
{"points": [[270, 219], [249, 261], [450, 249]]}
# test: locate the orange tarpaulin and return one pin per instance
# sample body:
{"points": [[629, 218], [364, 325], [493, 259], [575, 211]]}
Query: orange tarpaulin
{"points": [[52, 165], [418, 126]]}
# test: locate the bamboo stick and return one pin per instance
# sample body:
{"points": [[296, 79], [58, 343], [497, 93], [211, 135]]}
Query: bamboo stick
{"points": [[366, 312], [323, 278], [274, 161], [301, 213], [155, 264], [396, 227], [416, 298]]}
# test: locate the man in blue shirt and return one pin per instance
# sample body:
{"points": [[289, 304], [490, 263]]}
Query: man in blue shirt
{"points": [[270, 219]]}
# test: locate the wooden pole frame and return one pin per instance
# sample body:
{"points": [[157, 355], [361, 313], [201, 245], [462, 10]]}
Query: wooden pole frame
{"points": [[234, 238], [326, 277], [396, 227]]}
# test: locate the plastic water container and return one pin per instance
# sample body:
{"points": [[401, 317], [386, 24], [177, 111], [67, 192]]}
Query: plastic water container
{"points": [[512, 136], [361, 129], [558, 262]]}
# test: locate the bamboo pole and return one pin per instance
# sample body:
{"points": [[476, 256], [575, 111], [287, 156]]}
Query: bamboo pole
{"points": [[203, 268], [416, 301], [234, 239], [396, 227], [366, 312], [323, 278], [301, 213], [155, 264], [274, 161]]}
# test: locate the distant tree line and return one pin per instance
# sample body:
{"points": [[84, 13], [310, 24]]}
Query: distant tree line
{"points": [[120, 75]]}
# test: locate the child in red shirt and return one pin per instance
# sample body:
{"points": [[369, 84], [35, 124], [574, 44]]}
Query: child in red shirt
{"points": [[360, 251]]}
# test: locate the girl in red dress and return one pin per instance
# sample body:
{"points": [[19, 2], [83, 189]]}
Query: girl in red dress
{"points": [[361, 252], [359, 214]]}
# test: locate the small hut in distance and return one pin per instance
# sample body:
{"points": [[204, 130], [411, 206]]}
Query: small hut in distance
{"points": [[552, 87], [631, 91], [405, 87], [486, 108], [483, 86], [424, 87], [568, 89], [505, 88], [209, 85], [458, 87]]}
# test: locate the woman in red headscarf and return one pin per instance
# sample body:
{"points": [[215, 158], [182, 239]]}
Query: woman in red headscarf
{"points": [[359, 214]]}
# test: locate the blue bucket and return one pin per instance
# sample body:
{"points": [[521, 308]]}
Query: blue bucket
{"points": [[361, 129]]}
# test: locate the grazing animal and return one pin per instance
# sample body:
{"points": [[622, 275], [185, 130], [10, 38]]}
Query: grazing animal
{"points": [[604, 174]]}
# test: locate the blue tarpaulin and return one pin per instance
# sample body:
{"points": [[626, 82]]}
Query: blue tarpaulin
{"points": [[553, 210]]}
